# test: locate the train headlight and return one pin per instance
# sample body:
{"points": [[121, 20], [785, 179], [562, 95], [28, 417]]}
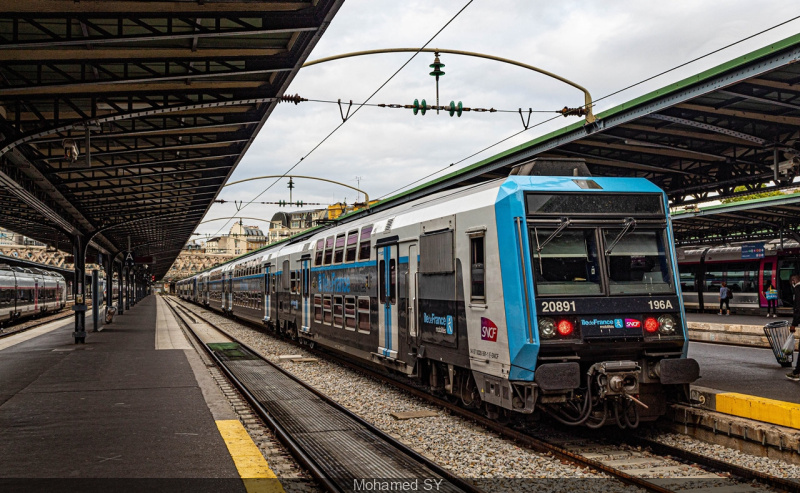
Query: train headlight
{"points": [[565, 328], [666, 324], [547, 328], [650, 325]]}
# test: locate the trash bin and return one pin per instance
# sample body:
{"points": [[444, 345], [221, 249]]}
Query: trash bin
{"points": [[777, 333], [112, 310]]}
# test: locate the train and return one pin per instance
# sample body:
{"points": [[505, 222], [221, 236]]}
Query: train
{"points": [[27, 292], [747, 268], [521, 296]]}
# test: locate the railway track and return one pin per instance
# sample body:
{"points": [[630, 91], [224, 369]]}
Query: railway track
{"points": [[636, 461], [32, 323], [337, 447]]}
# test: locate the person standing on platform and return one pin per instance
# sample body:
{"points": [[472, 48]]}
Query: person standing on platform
{"points": [[795, 280], [724, 298], [771, 294]]}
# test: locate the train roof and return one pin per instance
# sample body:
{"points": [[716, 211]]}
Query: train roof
{"points": [[446, 202]]}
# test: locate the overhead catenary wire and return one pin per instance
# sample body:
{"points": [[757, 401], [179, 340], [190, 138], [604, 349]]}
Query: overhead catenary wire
{"points": [[357, 108], [389, 194]]}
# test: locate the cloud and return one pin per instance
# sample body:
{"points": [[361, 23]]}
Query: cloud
{"points": [[603, 46]]}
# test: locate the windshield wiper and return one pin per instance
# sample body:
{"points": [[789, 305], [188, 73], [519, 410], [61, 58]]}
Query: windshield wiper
{"points": [[564, 223], [629, 223]]}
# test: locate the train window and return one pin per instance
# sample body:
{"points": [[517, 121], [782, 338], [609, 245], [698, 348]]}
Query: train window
{"points": [[382, 281], [326, 309], [363, 247], [478, 290], [715, 274], [318, 308], [350, 312], [363, 315], [293, 276], [566, 265], [337, 311], [318, 254], [637, 262], [285, 276], [688, 273], [305, 283], [392, 282], [352, 244], [328, 250], [389, 298], [338, 255]]}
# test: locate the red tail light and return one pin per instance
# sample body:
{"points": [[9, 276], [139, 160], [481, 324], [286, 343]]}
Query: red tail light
{"points": [[651, 325], [564, 327]]}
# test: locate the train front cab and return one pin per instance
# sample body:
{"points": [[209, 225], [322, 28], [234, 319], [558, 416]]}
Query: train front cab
{"points": [[602, 327]]}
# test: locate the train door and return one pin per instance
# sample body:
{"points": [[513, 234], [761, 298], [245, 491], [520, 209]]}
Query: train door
{"points": [[305, 298], [413, 258], [787, 268], [267, 294], [387, 300]]}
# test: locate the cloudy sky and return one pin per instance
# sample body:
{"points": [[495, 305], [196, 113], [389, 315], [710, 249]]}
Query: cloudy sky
{"points": [[603, 46]]}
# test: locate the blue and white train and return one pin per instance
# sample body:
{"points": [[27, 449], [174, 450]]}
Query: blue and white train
{"points": [[554, 294]]}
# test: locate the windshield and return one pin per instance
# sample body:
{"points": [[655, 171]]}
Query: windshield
{"points": [[568, 264], [638, 263]]}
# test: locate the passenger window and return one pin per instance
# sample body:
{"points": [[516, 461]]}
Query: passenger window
{"points": [[318, 255], [337, 311], [352, 245], [363, 315], [338, 256], [478, 289], [382, 281], [317, 308], [363, 249], [350, 312], [328, 250], [326, 309]]}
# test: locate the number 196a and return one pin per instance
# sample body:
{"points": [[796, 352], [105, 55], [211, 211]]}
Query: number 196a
{"points": [[660, 304]]}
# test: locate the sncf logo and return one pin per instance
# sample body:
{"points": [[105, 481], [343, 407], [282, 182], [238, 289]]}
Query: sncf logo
{"points": [[488, 330], [631, 323]]}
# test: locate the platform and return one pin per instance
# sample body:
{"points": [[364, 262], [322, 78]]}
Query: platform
{"points": [[135, 401], [746, 330]]}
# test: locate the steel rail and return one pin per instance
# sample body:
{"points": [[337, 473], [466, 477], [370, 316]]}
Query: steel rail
{"points": [[559, 452], [282, 435], [416, 456]]}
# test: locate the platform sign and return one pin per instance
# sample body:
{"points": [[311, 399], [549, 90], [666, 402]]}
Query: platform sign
{"points": [[753, 250], [129, 259]]}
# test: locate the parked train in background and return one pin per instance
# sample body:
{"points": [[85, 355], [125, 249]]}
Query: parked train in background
{"points": [[25, 292], [553, 294], [748, 269]]}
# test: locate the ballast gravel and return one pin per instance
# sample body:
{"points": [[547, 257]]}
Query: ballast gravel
{"points": [[465, 448]]}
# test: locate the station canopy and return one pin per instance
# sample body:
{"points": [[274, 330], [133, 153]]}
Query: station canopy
{"points": [[169, 96], [727, 132]]}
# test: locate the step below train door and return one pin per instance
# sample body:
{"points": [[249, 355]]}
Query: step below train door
{"points": [[387, 299]]}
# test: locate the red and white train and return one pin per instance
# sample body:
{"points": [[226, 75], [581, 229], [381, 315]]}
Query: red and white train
{"points": [[26, 292]]}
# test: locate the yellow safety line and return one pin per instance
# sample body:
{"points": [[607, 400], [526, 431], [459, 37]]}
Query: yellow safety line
{"points": [[760, 409], [252, 467]]}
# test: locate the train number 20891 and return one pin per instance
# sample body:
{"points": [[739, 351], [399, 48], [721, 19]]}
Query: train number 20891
{"points": [[558, 306]]}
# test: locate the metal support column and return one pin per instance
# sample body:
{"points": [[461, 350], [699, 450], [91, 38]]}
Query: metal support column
{"points": [[109, 268], [120, 290], [97, 294], [127, 288], [79, 289]]}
